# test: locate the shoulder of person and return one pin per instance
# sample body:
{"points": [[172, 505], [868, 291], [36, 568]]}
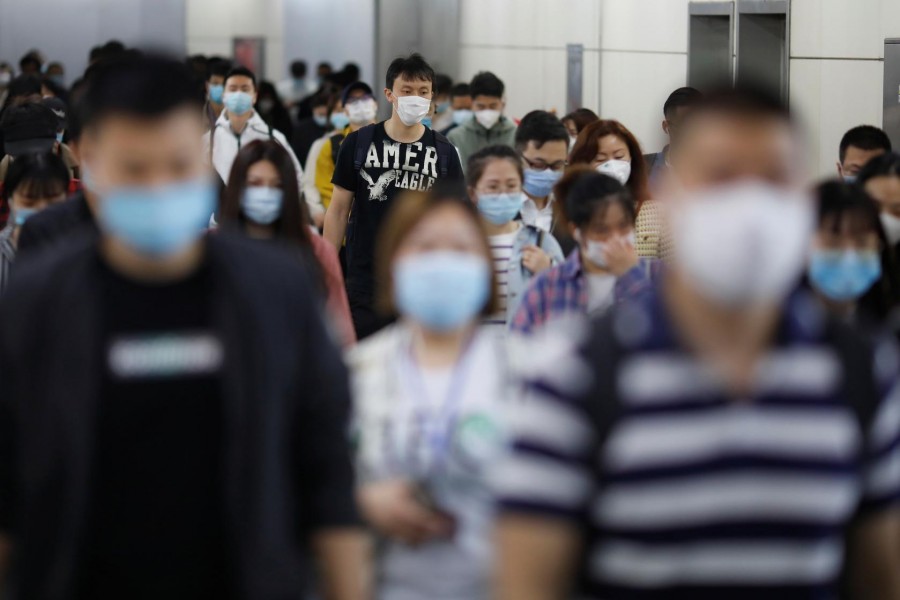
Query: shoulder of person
{"points": [[259, 267], [376, 351]]}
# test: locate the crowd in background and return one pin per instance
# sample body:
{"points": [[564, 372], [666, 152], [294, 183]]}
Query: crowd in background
{"points": [[257, 343]]}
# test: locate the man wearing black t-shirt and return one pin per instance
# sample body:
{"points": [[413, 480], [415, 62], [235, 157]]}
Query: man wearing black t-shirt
{"points": [[376, 164], [174, 413]]}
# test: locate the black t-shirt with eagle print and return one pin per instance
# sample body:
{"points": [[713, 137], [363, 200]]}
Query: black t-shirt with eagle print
{"points": [[390, 168]]}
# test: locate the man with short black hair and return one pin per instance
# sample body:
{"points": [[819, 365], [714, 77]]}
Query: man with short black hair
{"points": [[489, 127], [723, 437], [460, 106], [217, 71], [543, 143], [30, 64], [375, 165], [194, 445], [239, 124], [858, 146], [443, 112], [674, 109], [296, 87]]}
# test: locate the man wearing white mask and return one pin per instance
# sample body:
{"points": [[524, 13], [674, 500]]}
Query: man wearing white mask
{"points": [[239, 124], [375, 164], [722, 437], [488, 127]]}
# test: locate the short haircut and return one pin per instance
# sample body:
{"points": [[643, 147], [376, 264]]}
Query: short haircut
{"points": [[680, 98], [886, 165], [540, 127], [442, 84], [582, 117], [486, 83], [479, 161], [240, 71], [218, 67], [298, 68], [146, 86], [320, 99], [865, 137], [412, 68], [38, 175], [29, 60], [24, 85], [583, 192], [460, 89], [411, 209]]}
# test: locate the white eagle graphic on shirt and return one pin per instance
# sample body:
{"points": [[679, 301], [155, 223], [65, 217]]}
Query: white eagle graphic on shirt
{"points": [[377, 189]]}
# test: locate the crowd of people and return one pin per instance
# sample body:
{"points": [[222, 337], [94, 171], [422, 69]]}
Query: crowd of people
{"points": [[256, 343]]}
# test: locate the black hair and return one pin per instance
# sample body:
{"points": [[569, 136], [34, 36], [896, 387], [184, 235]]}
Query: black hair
{"points": [[319, 99], [460, 89], [24, 85], [324, 65], [33, 119], [351, 72], [442, 84], [865, 137], [486, 83], [42, 175], [838, 201], [136, 84], [298, 68], [684, 96], [582, 117], [218, 67], [583, 191], [886, 165], [240, 71], [29, 60], [95, 53], [479, 161], [540, 127], [413, 67]]}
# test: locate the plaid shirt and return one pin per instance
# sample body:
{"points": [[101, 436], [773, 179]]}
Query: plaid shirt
{"points": [[563, 290]]}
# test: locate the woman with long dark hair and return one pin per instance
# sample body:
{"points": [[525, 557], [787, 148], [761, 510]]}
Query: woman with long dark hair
{"points": [[263, 201]]}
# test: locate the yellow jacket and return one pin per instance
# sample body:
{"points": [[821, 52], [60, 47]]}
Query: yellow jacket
{"points": [[325, 169]]}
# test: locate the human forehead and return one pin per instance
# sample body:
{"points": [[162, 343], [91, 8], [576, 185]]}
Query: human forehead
{"points": [[401, 81], [239, 81]]}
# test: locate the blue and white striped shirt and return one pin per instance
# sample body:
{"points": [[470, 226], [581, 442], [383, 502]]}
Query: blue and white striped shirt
{"points": [[693, 493]]}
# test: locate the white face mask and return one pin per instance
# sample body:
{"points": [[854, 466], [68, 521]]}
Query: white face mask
{"points": [[5, 78], [891, 226], [412, 109], [743, 244], [362, 111], [620, 170], [487, 118], [595, 252]]}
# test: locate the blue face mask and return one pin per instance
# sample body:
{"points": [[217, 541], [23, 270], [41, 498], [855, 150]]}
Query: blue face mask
{"points": [[59, 80], [462, 115], [238, 103], [20, 215], [427, 122], [539, 184], [844, 275], [850, 179], [158, 221], [339, 120], [216, 92], [441, 290], [60, 136], [321, 120], [262, 205], [442, 107], [500, 209]]}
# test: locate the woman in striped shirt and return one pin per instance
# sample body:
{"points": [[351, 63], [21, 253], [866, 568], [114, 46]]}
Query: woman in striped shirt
{"points": [[494, 177], [33, 182]]}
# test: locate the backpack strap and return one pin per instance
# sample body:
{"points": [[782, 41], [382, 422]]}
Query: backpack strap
{"points": [[336, 141], [444, 151], [364, 138]]}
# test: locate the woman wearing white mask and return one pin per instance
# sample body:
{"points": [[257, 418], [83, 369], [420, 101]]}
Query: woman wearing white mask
{"points": [[604, 269], [429, 397], [494, 177], [262, 200], [612, 149], [881, 180]]}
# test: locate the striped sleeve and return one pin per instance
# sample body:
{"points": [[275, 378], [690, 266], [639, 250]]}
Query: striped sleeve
{"points": [[547, 468], [881, 483]]}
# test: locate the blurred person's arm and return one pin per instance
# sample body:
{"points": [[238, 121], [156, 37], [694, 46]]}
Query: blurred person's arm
{"points": [[336, 216], [310, 191], [874, 557], [343, 556], [324, 172], [536, 557]]}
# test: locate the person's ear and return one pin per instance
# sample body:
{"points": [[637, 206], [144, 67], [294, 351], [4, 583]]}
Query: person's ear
{"points": [[389, 95], [573, 231], [473, 196], [665, 126], [840, 169]]}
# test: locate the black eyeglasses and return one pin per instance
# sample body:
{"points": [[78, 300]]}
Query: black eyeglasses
{"points": [[539, 165]]}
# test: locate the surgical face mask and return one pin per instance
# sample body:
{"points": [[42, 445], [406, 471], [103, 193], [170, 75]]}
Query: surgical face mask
{"points": [[442, 290], [844, 275], [442, 107], [500, 209], [595, 251], [238, 103], [339, 120], [362, 112], [891, 226], [487, 117], [427, 122], [60, 135], [412, 109], [539, 184], [461, 116], [320, 120], [5, 78], [216, 92], [850, 179], [620, 170], [743, 244], [59, 80], [20, 215], [261, 204], [157, 221]]}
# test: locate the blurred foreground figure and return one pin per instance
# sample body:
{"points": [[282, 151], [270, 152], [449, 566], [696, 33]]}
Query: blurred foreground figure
{"points": [[173, 418], [723, 438]]}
